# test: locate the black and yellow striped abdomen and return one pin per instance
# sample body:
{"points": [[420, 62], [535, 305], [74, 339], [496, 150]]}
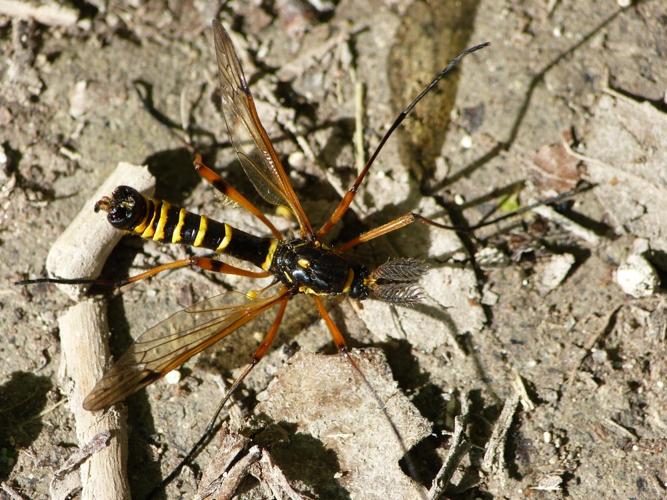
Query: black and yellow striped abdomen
{"points": [[158, 220]]}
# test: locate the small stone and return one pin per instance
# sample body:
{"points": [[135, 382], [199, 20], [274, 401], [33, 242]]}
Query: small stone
{"points": [[637, 277], [297, 159], [4, 159], [553, 272], [490, 257], [489, 298], [599, 356], [5, 116], [78, 102], [640, 246], [173, 377]]}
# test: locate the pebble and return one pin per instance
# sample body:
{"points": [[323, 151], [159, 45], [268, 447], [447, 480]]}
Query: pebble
{"points": [[173, 377], [553, 272], [636, 276]]}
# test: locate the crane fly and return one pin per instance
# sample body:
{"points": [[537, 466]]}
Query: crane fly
{"points": [[305, 264]]}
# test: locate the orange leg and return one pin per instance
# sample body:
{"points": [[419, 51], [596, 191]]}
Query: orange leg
{"points": [[205, 263], [210, 428], [336, 334], [409, 218], [225, 188], [389, 227]]}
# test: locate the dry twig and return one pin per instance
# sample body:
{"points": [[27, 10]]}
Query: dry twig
{"points": [[494, 457], [458, 447], [80, 252]]}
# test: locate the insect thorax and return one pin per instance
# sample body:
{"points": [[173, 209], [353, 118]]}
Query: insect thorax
{"points": [[309, 267]]}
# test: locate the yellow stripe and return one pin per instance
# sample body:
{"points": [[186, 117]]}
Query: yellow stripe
{"points": [[162, 221], [150, 230], [226, 240], [201, 232], [310, 291], [348, 281], [139, 228], [269, 255], [176, 237]]}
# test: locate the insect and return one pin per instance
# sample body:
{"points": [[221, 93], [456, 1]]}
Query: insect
{"points": [[305, 264]]}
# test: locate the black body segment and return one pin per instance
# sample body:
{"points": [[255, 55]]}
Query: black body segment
{"points": [[131, 211], [303, 266], [308, 267]]}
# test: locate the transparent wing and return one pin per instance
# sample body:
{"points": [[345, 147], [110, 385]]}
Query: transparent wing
{"points": [[172, 342], [262, 165]]}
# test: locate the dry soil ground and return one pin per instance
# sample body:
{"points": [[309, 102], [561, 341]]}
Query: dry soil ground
{"points": [[568, 90]]}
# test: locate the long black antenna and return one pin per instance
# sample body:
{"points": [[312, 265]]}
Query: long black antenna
{"points": [[347, 199], [406, 111], [403, 114]]}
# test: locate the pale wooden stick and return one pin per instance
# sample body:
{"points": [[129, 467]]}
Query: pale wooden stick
{"points": [[49, 13], [80, 252], [85, 352]]}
